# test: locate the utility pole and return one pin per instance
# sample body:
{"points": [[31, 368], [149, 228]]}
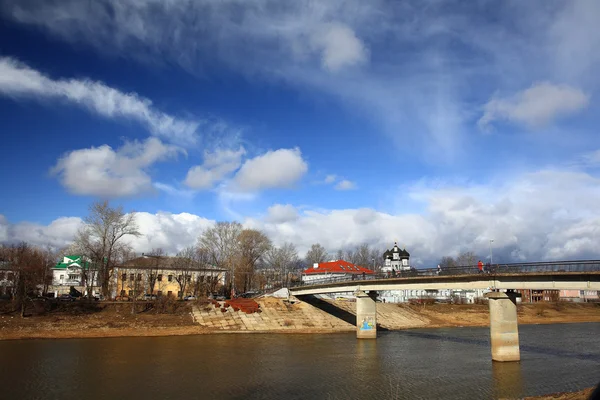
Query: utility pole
{"points": [[491, 255]]}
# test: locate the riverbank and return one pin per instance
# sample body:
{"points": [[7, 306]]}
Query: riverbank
{"points": [[580, 395], [276, 316]]}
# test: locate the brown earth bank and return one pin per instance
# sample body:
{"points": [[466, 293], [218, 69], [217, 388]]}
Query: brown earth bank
{"points": [[80, 320], [580, 395], [449, 315]]}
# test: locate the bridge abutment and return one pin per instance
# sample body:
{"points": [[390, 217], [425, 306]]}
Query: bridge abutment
{"points": [[504, 329], [366, 316]]}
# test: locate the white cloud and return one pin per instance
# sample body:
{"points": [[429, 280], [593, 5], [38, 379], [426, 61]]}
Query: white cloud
{"points": [[172, 232], [275, 169], [102, 171], [345, 185], [526, 215], [279, 213], [59, 233], [18, 80], [339, 47], [536, 106], [216, 167], [330, 179]]}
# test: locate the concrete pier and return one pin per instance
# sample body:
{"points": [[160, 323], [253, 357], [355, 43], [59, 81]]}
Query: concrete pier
{"points": [[504, 329], [366, 316]]}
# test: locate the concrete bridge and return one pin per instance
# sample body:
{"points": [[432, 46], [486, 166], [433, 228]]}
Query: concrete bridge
{"points": [[502, 283]]}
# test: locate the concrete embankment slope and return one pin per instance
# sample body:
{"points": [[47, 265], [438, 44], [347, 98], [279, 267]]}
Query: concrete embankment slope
{"points": [[275, 315], [389, 316]]}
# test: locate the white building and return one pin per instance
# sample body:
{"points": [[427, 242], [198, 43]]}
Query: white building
{"points": [[72, 271], [395, 260]]}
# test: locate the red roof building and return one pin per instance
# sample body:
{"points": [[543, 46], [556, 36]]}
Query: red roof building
{"points": [[335, 268]]}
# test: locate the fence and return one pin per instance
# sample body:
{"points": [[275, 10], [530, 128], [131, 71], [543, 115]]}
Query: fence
{"points": [[515, 268]]}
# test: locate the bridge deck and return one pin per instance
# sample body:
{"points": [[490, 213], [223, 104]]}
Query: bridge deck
{"points": [[523, 280]]}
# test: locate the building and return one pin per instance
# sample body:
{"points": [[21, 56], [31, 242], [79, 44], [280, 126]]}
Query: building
{"points": [[395, 260], [166, 276], [73, 271], [334, 269], [7, 280]]}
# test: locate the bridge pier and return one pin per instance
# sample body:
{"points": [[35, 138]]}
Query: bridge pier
{"points": [[504, 329], [366, 316]]}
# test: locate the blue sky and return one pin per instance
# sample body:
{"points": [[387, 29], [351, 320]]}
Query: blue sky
{"points": [[440, 124]]}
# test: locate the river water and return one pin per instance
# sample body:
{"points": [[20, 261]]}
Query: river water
{"points": [[452, 363]]}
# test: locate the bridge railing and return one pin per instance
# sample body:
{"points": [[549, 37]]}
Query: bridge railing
{"points": [[539, 267]]}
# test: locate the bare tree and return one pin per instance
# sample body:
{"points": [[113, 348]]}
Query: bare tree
{"points": [[316, 254], [101, 237], [185, 262], [283, 259], [362, 256], [339, 255], [447, 262], [467, 258], [154, 267], [203, 283], [221, 242], [253, 244], [28, 269]]}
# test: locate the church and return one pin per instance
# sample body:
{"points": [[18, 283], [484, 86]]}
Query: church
{"points": [[395, 259]]}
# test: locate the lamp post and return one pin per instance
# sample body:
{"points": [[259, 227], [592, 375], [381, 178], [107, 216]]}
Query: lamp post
{"points": [[491, 255]]}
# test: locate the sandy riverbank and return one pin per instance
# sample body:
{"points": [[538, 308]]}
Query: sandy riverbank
{"points": [[580, 395], [115, 320]]}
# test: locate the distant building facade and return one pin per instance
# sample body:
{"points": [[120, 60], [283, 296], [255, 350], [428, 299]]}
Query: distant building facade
{"points": [[166, 276], [73, 271], [396, 259], [334, 269], [7, 280]]}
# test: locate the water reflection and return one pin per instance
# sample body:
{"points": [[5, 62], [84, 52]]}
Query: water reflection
{"points": [[507, 380], [429, 364]]}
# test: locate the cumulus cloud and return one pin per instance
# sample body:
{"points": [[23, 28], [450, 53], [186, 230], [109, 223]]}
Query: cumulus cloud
{"points": [[172, 232], [339, 47], [217, 166], [526, 215], [536, 106], [102, 171], [59, 233], [20, 81], [345, 185], [275, 169], [280, 213]]}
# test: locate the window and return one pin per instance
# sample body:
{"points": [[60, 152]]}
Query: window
{"points": [[201, 279], [73, 277], [159, 277], [131, 293], [132, 277], [139, 277], [124, 277], [169, 293], [2, 274], [122, 293], [11, 276], [159, 293], [170, 278]]}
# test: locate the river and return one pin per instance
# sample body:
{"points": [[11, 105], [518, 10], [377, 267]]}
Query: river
{"points": [[451, 363]]}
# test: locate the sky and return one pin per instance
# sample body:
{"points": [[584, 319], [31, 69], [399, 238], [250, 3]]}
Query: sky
{"points": [[441, 125]]}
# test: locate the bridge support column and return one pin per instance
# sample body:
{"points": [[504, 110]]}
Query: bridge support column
{"points": [[366, 316], [504, 329]]}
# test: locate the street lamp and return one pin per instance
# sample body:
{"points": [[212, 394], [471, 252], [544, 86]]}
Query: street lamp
{"points": [[491, 255]]}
